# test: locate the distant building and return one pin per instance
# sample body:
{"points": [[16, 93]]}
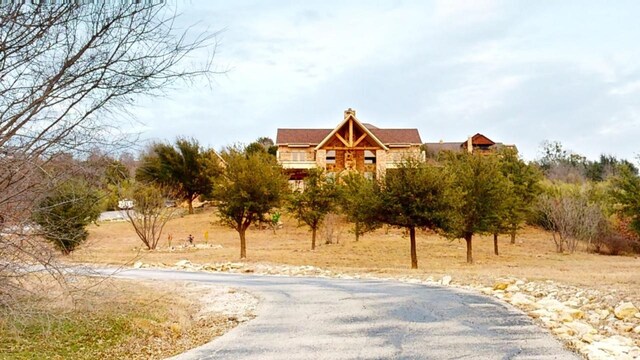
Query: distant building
{"points": [[477, 143], [350, 146]]}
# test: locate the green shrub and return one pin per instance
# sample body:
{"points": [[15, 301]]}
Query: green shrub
{"points": [[64, 213]]}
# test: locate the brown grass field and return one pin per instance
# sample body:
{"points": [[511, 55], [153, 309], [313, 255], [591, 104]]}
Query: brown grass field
{"points": [[533, 257]]}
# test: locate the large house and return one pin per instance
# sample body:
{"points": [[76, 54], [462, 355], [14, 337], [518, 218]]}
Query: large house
{"points": [[350, 146]]}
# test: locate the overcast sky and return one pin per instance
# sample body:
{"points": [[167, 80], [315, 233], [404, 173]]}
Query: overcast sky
{"points": [[518, 72]]}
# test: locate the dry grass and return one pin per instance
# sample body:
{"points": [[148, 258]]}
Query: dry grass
{"points": [[533, 257], [108, 319]]}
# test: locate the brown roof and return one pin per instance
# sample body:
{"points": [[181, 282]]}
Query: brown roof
{"points": [[315, 136], [301, 136], [397, 136]]}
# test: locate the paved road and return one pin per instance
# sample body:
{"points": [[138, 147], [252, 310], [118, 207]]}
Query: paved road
{"points": [[316, 318]]}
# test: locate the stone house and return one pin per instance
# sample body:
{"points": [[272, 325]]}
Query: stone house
{"points": [[350, 146]]}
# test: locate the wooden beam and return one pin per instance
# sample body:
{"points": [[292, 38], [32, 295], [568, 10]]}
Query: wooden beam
{"points": [[350, 132], [360, 139], [341, 139]]}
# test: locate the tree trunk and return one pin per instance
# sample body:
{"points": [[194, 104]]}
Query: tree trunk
{"points": [[513, 234], [414, 253], [190, 202], [495, 244], [243, 243], [313, 238], [357, 230], [467, 238]]}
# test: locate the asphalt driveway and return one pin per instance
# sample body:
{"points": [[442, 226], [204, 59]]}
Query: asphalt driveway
{"points": [[318, 318]]}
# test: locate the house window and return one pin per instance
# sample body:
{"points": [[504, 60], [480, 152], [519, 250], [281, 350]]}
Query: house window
{"points": [[331, 157], [298, 156], [369, 157]]}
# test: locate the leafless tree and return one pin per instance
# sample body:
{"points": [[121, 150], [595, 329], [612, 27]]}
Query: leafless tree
{"points": [[571, 219], [68, 73], [149, 215]]}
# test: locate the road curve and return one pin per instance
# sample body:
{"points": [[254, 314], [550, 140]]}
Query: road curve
{"points": [[320, 318]]}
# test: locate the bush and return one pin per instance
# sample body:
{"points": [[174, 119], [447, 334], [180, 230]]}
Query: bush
{"points": [[569, 213], [65, 212], [615, 243]]}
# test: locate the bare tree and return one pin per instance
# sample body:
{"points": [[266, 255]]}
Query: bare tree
{"points": [[571, 218], [67, 71], [149, 215]]}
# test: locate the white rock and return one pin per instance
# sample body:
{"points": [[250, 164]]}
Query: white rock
{"points": [[615, 345], [625, 310], [137, 265], [520, 299], [446, 280], [551, 304], [183, 263], [580, 328], [512, 288]]}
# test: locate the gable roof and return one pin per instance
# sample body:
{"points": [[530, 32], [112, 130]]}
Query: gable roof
{"points": [[479, 139], [314, 137], [350, 116]]}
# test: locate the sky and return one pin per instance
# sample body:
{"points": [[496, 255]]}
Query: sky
{"points": [[519, 72]]}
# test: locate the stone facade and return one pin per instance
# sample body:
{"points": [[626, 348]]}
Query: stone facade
{"points": [[350, 146]]}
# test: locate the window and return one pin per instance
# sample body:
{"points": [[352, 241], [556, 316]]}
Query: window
{"points": [[331, 157], [298, 156], [369, 157]]}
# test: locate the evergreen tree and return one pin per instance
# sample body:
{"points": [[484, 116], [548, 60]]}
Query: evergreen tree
{"points": [[360, 203], [187, 168], [318, 198], [65, 212], [251, 186], [416, 195], [484, 192], [524, 188]]}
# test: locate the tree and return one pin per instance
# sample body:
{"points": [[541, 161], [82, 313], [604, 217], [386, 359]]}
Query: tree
{"points": [[251, 186], [626, 192], [560, 164], [525, 187], [149, 214], [68, 73], [263, 144], [567, 211], [484, 189], [416, 195], [318, 198], [186, 167], [64, 214], [608, 166], [360, 203]]}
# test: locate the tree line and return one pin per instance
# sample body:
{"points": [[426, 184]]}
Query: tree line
{"points": [[456, 195]]}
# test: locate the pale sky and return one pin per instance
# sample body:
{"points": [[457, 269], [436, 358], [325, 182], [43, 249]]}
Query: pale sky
{"points": [[519, 72]]}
